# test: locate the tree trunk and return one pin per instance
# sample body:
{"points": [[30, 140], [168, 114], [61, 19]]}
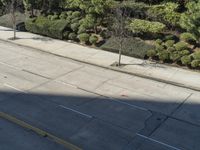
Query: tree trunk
{"points": [[13, 18]]}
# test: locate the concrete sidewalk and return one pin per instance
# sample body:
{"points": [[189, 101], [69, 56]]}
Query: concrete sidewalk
{"points": [[163, 73]]}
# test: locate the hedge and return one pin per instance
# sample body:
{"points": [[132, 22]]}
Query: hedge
{"points": [[44, 26], [132, 47]]}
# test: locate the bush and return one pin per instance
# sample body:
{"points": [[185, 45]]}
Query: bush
{"points": [[171, 49], [44, 26], [151, 53], [175, 57], [160, 48], [76, 14], [169, 43], [164, 55], [186, 60], [72, 36], [165, 13], [195, 63], [54, 17], [84, 37], [158, 41], [66, 35], [63, 15], [93, 39], [181, 46], [196, 55], [81, 30], [188, 37], [131, 47], [184, 52], [144, 26], [75, 27], [190, 19], [170, 37]]}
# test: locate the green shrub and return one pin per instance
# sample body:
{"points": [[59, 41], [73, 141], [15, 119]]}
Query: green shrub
{"points": [[44, 26], [54, 17], [190, 18], [160, 48], [93, 39], [81, 30], [144, 26], [169, 43], [188, 37], [186, 60], [63, 15], [72, 36], [184, 52], [84, 37], [69, 13], [131, 47], [66, 35], [75, 27], [195, 63], [171, 49], [170, 37], [151, 53], [158, 41], [196, 55], [163, 55], [181, 46], [76, 14], [175, 57], [166, 13]]}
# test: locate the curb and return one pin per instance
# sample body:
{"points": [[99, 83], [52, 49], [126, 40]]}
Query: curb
{"points": [[39, 131], [113, 68]]}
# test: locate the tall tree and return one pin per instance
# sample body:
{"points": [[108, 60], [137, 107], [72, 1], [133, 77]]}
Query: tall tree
{"points": [[11, 8]]}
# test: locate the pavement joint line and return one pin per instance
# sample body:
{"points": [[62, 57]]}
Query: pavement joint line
{"points": [[39, 131], [71, 85], [156, 141], [36, 74], [112, 68], [181, 104], [12, 87], [11, 66], [78, 112]]}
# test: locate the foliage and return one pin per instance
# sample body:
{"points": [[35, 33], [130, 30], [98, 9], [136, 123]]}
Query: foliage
{"points": [[181, 46], [188, 37], [44, 26], [84, 37], [195, 63], [93, 39], [190, 20], [144, 26], [169, 43], [72, 36], [186, 60], [166, 13], [163, 55], [151, 53], [196, 55], [131, 47]]}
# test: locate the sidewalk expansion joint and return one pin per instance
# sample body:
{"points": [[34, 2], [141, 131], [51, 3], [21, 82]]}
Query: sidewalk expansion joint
{"points": [[40, 132]]}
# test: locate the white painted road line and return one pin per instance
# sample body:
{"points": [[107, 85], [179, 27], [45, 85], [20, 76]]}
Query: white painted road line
{"points": [[134, 106], [153, 140], [78, 112]]}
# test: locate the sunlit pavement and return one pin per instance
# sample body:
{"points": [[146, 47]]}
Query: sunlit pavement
{"points": [[91, 107]]}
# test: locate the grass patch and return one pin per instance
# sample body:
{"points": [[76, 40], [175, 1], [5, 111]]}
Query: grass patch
{"points": [[133, 47]]}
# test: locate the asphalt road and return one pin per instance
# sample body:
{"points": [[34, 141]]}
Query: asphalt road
{"points": [[91, 107]]}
